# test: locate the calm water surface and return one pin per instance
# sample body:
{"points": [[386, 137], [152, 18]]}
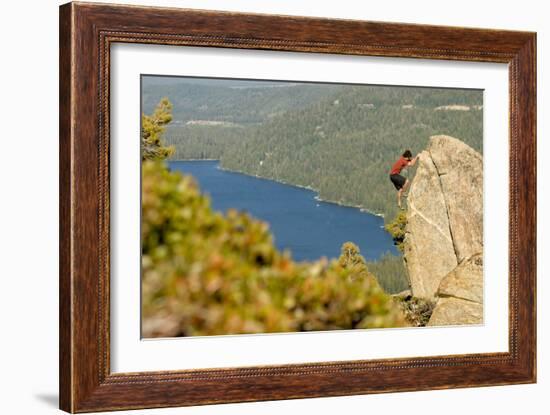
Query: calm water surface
{"points": [[307, 227]]}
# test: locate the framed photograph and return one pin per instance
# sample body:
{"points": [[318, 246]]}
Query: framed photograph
{"points": [[258, 207]]}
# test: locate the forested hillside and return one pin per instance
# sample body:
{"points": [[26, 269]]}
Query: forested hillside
{"points": [[203, 141], [344, 147], [242, 102], [340, 140]]}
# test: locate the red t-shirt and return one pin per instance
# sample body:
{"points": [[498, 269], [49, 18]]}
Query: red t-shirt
{"points": [[398, 165]]}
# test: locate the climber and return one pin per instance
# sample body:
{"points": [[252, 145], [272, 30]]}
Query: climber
{"points": [[400, 182]]}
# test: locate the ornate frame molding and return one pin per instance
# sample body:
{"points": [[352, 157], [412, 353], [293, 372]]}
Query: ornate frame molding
{"points": [[86, 33]]}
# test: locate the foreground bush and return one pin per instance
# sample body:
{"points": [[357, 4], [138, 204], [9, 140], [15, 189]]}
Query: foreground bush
{"points": [[205, 273]]}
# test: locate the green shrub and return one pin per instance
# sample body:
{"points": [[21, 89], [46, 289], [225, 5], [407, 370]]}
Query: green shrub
{"points": [[396, 228], [417, 310], [205, 273]]}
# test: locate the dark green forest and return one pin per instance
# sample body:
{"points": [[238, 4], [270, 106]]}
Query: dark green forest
{"points": [[202, 141], [241, 102], [339, 140]]}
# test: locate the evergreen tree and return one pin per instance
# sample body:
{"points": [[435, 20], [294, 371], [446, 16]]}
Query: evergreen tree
{"points": [[152, 131]]}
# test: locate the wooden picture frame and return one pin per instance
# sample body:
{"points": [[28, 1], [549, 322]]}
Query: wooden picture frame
{"points": [[86, 33]]}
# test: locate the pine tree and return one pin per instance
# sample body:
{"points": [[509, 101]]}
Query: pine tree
{"points": [[152, 130]]}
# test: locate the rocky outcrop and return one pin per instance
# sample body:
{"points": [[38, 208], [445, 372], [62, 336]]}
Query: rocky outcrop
{"points": [[443, 243], [455, 312], [428, 245], [465, 281], [460, 171], [460, 295]]}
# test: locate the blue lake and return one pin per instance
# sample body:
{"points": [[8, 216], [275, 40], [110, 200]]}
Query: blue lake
{"points": [[307, 227]]}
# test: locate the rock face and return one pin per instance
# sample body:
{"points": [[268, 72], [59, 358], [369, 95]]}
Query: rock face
{"points": [[454, 312], [443, 244], [460, 170], [465, 281], [461, 295], [428, 246]]}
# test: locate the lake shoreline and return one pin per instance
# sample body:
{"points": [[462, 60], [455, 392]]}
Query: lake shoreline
{"points": [[299, 221], [317, 197]]}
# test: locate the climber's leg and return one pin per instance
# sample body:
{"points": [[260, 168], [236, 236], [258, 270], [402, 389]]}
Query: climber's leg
{"points": [[399, 182], [406, 186]]}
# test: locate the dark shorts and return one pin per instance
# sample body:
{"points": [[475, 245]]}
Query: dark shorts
{"points": [[398, 181]]}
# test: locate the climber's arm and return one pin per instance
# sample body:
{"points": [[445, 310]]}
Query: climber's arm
{"points": [[413, 161]]}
